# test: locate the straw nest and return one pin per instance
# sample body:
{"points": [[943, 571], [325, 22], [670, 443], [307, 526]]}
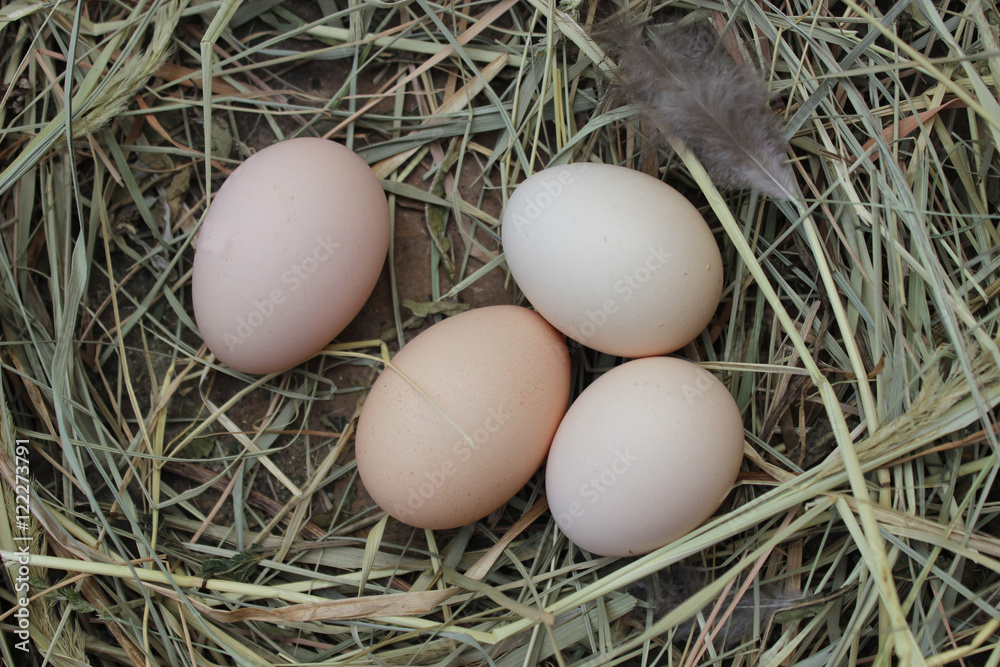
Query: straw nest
{"points": [[185, 514]]}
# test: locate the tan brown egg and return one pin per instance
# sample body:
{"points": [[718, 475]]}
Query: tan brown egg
{"points": [[464, 417]]}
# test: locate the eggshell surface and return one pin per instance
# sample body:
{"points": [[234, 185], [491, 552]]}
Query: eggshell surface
{"points": [[644, 455], [615, 259], [493, 384], [290, 249]]}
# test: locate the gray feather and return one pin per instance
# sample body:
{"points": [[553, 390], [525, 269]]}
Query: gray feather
{"points": [[689, 88]]}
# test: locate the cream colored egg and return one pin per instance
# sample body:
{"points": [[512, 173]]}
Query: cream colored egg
{"points": [[290, 249], [644, 455], [470, 423], [613, 258]]}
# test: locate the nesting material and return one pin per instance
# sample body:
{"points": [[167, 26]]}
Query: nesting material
{"points": [[184, 514]]}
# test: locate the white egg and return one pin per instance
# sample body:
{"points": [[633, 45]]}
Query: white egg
{"points": [[613, 258], [644, 455]]}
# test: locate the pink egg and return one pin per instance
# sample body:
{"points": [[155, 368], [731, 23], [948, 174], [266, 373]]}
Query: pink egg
{"points": [[290, 250]]}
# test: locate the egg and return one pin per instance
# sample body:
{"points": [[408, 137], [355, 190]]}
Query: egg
{"points": [[463, 417], [289, 251], [615, 259], [644, 455]]}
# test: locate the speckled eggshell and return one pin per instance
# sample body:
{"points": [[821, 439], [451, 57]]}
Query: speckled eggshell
{"points": [[644, 455], [290, 249], [615, 259], [501, 376]]}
